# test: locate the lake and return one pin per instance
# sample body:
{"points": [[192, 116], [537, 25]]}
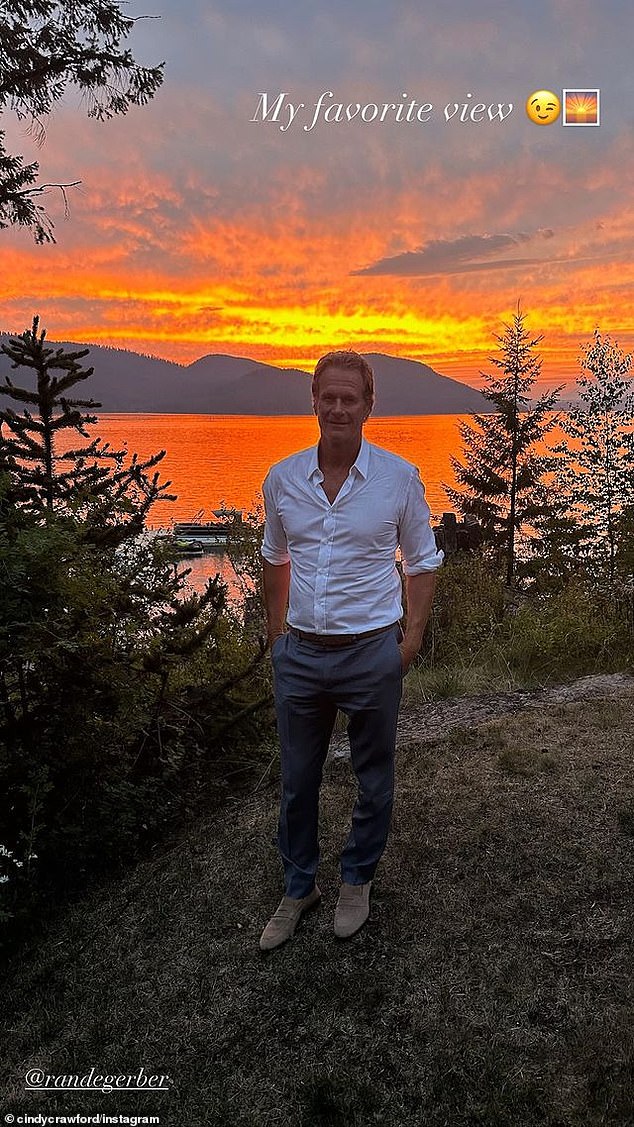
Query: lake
{"points": [[214, 460]]}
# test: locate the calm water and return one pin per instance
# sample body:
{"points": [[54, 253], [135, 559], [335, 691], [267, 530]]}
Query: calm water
{"points": [[213, 460]]}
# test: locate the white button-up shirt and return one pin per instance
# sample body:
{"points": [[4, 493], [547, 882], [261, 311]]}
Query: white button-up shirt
{"points": [[343, 571]]}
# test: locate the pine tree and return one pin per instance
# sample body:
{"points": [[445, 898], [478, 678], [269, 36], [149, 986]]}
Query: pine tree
{"points": [[595, 468], [117, 685], [501, 475], [91, 481], [44, 46]]}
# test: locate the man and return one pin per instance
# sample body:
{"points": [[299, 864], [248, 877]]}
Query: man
{"points": [[335, 515]]}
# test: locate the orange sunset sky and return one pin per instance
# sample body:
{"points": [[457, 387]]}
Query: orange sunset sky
{"points": [[197, 229]]}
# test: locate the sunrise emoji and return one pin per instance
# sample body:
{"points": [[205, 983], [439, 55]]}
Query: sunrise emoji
{"points": [[581, 107]]}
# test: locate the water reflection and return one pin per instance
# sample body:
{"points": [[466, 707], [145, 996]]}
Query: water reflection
{"points": [[204, 567], [213, 459]]}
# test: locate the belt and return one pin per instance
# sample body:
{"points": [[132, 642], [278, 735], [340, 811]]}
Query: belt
{"points": [[335, 641]]}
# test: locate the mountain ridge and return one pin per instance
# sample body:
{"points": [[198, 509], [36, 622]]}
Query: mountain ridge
{"points": [[125, 381]]}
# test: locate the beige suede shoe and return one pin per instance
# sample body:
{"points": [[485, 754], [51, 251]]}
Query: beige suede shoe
{"points": [[282, 925], [353, 909]]}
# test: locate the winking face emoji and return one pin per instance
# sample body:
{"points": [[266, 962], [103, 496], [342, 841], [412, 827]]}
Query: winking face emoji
{"points": [[543, 107]]}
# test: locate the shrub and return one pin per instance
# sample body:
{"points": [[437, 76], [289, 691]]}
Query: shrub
{"points": [[117, 684], [469, 603], [580, 629]]}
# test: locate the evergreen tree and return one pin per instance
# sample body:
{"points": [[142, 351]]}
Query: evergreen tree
{"points": [[44, 46], [117, 684], [595, 469], [501, 476], [110, 496]]}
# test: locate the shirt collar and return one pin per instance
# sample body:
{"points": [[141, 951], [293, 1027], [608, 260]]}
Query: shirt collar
{"points": [[361, 463], [363, 458]]}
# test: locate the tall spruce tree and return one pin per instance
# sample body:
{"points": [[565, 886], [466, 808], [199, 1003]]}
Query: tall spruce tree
{"points": [[117, 684], [110, 495], [594, 473], [501, 475]]}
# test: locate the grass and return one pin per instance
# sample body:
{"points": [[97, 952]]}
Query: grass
{"points": [[492, 985], [443, 682]]}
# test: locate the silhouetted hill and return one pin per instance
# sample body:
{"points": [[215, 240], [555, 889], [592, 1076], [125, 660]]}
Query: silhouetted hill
{"points": [[407, 387], [231, 385]]}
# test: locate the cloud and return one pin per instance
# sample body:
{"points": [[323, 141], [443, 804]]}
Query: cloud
{"points": [[196, 229], [456, 256]]}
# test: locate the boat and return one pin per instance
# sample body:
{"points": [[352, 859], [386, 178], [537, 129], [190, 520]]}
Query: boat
{"points": [[213, 531], [181, 545], [188, 547]]}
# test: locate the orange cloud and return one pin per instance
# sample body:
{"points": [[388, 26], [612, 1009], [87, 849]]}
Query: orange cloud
{"points": [[185, 260]]}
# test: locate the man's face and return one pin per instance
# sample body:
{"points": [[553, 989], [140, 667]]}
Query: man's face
{"points": [[340, 405]]}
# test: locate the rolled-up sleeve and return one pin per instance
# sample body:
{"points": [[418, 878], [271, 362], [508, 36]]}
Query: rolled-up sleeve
{"points": [[274, 546], [416, 538]]}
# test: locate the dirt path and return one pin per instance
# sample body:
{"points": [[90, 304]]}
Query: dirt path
{"points": [[428, 721]]}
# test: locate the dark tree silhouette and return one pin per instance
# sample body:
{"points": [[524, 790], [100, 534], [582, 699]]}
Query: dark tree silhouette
{"points": [[93, 482], [45, 46], [501, 476]]}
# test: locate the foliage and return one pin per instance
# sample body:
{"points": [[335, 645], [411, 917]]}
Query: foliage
{"points": [[482, 636], [579, 629], [92, 482], [117, 684], [624, 556], [469, 602], [95, 681], [244, 546], [46, 45], [501, 476], [594, 475]]}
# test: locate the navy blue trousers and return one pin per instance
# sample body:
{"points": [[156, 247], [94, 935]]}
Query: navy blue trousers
{"points": [[364, 681]]}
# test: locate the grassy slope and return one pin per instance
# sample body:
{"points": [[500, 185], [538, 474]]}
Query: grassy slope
{"points": [[492, 985]]}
